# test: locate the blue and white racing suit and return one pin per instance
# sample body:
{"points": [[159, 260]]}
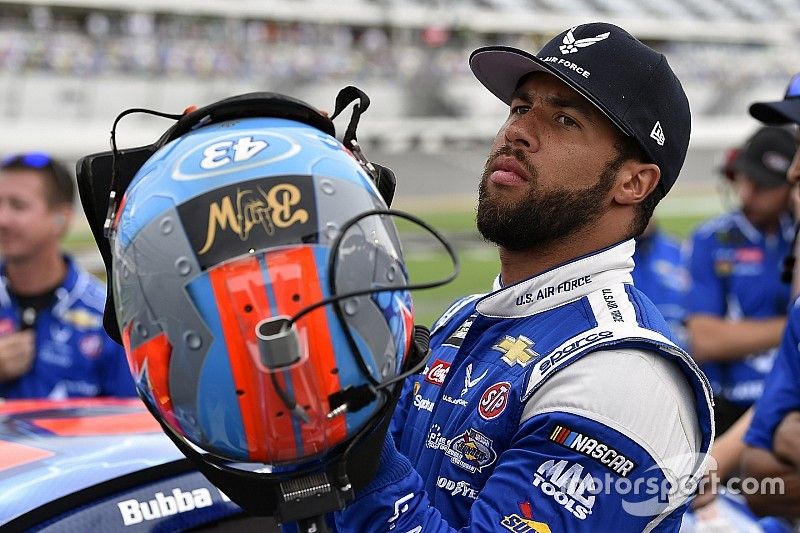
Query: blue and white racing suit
{"points": [[74, 356], [558, 403]]}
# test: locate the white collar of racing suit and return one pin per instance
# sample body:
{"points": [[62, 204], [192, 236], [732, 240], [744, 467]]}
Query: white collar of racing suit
{"points": [[562, 284]]}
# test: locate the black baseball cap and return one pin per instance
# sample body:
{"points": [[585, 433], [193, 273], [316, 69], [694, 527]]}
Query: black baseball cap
{"points": [[766, 156], [783, 111], [632, 84]]}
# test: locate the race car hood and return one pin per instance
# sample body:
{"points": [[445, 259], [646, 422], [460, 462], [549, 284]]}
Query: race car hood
{"points": [[51, 449]]}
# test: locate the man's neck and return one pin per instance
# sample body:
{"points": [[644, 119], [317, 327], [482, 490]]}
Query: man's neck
{"points": [[771, 227], [516, 266], [38, 274]]}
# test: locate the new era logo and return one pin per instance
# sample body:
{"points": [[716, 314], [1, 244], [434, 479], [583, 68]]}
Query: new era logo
{"points": [[658, 133]]}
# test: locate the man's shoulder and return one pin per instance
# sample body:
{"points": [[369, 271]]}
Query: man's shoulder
{"points": [[88, 290], [634, 391], [719, 226], [460, 307]]}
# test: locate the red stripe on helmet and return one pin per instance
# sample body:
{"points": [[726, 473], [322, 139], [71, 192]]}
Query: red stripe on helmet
{"points": [[296, 285], [242, 302]]}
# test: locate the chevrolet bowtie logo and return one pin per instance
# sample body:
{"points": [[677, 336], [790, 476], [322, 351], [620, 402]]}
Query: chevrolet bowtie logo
{"points": [[516, 351]]}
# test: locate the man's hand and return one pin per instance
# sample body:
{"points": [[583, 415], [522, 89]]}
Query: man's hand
{"points": [[16, 354], [787, 439]]}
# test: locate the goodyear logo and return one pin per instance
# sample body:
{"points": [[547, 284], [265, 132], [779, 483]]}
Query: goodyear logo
{"points": [[237, 219]]}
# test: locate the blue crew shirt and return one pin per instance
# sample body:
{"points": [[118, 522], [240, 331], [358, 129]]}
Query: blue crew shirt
{"points": [[781, 388], [74, 356], [660, 275], [734, 273]]}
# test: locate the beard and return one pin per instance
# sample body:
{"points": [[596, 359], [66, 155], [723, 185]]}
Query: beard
{"points": [[542, 217]]}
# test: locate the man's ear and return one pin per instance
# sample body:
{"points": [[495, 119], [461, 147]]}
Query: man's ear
{"points": [[62, 218], [636, 180]]}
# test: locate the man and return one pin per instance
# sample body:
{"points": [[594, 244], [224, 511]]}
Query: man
{"points": [[773, 439], [52, 342], [736, 302], [552, 403], [659, 273]]}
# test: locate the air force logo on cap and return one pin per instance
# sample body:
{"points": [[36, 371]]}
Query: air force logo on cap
{"points": [[571, 44], [632, 84]]}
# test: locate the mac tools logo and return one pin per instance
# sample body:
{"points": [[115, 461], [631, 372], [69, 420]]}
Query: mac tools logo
{"points": [[571, 44]]}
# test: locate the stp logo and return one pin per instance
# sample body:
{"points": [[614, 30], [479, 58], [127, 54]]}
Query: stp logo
{"points": [[494, 400], [438, 372]]}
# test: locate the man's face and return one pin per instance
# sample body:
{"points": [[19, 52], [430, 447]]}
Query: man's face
{"points": [[761, 205], [551, 167], [27, 223]]}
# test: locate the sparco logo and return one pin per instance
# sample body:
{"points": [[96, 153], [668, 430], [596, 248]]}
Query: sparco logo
{"points": [[567, 485], [134, 511], [494, 400], [438, 372], [554, 358], [457, 488], [571, 45]]}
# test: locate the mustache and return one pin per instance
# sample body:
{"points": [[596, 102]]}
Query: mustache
{"points": [[516, 153]]}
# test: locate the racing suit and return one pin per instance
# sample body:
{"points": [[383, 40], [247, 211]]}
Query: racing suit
{"points": [[74, 357], [555, 404]]}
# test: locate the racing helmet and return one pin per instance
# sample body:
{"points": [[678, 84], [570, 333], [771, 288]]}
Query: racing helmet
{"points": [[225, 244]]}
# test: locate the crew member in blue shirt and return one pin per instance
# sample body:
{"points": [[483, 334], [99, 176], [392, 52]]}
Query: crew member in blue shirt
{"points": [[773, 439], [660, 275], [52, 342], [736, 302]]}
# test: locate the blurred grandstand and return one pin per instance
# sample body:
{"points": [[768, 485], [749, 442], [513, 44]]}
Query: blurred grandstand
{"points": [[67, 67]]}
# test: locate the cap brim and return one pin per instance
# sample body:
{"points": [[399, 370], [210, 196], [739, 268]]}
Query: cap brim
{"points": [[499, 69], [782, 112]]}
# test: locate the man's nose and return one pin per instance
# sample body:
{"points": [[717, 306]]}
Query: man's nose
{"points": [[523, 132]]}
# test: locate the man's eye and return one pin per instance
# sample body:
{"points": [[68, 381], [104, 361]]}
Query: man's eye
{"points": [[566, 120], [520, 109]]}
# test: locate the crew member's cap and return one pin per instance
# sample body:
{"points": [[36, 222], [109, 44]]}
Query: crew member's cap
{"points": [[783, 111], [628, 81], [766, 156]]}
